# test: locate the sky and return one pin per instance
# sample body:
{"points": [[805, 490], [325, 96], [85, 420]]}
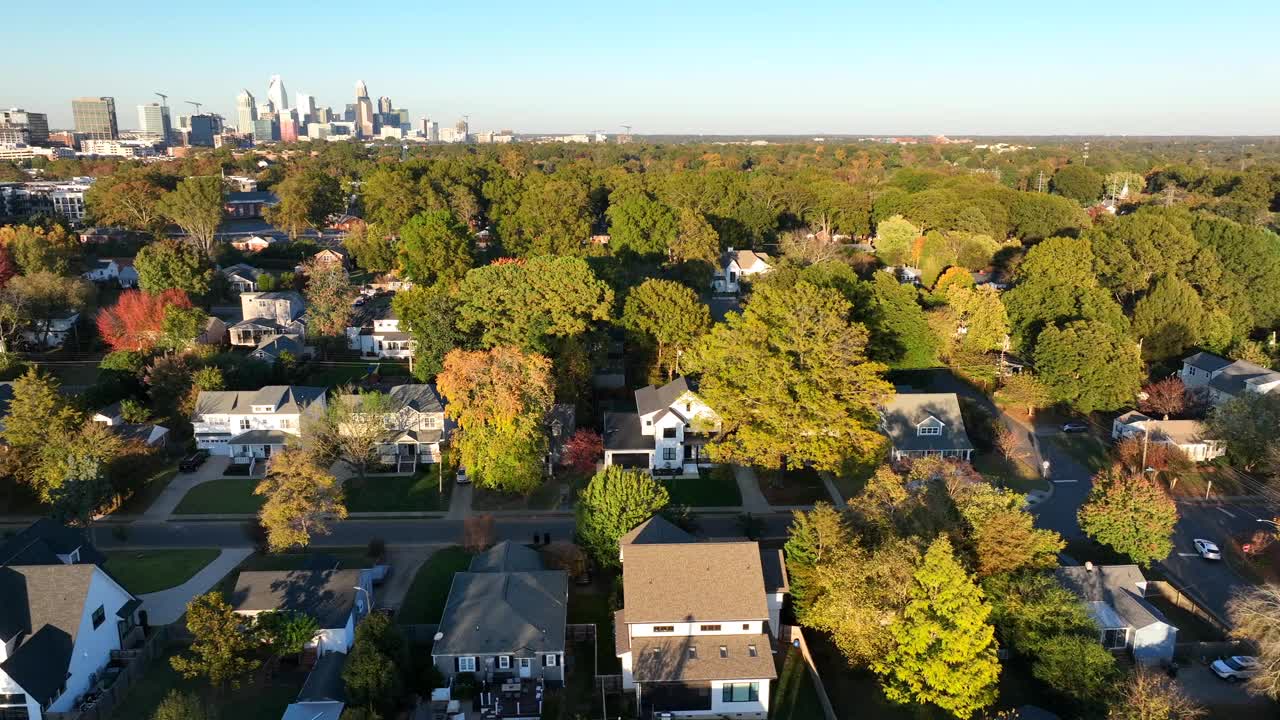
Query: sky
{"points": [[981, 67]]}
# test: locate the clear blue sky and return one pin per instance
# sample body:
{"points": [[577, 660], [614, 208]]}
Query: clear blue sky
{"points": [[904, 66]]}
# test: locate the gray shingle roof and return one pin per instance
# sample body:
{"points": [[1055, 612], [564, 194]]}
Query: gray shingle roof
{"points": [[650, 398], [41, 542], [325, 680], [1114, 586], [495, 613], [278, 344], [1207, 361], [689, 582], [326, 595], [905, 412], [507, 556], [655, 530], [1234, 378], [668, 659], [420, 397], [286, 399], [261, 437], [622, 432]]}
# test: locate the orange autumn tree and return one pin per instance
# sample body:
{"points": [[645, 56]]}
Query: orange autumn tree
{"points": [[136, 321]]}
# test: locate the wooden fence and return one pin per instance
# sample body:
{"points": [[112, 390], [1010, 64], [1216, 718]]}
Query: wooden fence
{"points": [[793, 635], [1180, 599], [1210, 651], [135, 663]]}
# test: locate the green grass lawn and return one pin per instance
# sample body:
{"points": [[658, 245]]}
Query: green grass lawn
{"points": [[1013, 474], [590, 604], [1084, 448], [424, 603], [147, 493], [337, 375], [153, 570], [259, 699], [794, 694], [714, 487], [228, 495], [418, 492], [544, 497]]}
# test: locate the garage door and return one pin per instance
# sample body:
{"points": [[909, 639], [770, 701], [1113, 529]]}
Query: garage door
{"points": [[631, 460]]}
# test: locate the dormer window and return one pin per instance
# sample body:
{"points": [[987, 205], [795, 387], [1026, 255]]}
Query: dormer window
{"points": [[693, 652], [928, 430], [264, 408], [751, 650], [724, 651]]}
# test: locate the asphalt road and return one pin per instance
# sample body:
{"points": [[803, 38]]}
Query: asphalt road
{"points": [[1211, 582], [1072, 482]]}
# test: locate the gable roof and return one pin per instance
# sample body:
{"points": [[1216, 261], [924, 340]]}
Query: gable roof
{"points": [[1111, 590], [243, 270], [41, 542], [1234, 378], [651, 399], [493, 613], [904, 413], [507, 556], [326, 595], [655, 530], [684, 582], [284, 398], [420, 397], [1207, 361], [698, 658], [278, 344], [746, 259]]}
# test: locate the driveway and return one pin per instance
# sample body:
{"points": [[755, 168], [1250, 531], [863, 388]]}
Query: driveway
{"points": [[404, 562], [1224, 699], [164, 505]]}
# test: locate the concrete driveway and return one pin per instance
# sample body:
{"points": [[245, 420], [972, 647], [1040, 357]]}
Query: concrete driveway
{"points": [[1224, 699], [164, 505], [405, 561]]}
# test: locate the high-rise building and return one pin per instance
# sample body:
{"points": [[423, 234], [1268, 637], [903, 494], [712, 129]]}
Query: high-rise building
{"points": [[306, 108], [266, 128], [95, 118], [461, 130], [153, 121], [277, 95], [288, 128], [246, 112], [384, 104], [430, 130], [324, 115], [361, 90], [35, 125], [349, 115], [201, 129]]}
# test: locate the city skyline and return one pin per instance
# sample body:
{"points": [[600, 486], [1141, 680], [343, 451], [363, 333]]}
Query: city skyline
{"points": [[914, 68]]}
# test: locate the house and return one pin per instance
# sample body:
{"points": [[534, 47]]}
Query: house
{"points": [[345, 223], [248, 204], [504, 619], [380, 336], [271, 349], [925, 425], [249, 425], [692, 636], [415, 427], [148, 434], [214, 333], [668, 431], [735, 265], [103, 235], [324, 694], [562, 423], [61, 616], [267, 314], [336, 599], [254, 243], [1186, 435], [242, 277], [331, 256], [1115, 598], [119, 271], [52, 332], [1223, 379]]}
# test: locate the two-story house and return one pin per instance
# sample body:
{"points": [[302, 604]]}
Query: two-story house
{"points": [[61, 616], [693, 637], [736, 265], [415, 425], [381, 336], [119, 271], [668, 431], [242, 278], [267, 314], [249, 425], [921, 425], [1222, 379]]}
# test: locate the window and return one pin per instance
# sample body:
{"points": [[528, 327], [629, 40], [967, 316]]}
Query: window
{"points": [[1191, 371], [664, 629], [741, 692], [724, 651], [549, 660], [466, 664], [693, 652], [504, 662], [710, 628], [244, 423], [746, 626], [668, 433], [1115, 638], [928, 430], [431, 422], [668, 453], [98, 616]]}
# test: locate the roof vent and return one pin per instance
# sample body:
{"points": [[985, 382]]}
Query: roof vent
{"points": [[438, 637], [1088, 566]]}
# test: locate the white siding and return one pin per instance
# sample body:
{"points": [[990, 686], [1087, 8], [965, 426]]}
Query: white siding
{"points": [[727, 627], [93, 645]]}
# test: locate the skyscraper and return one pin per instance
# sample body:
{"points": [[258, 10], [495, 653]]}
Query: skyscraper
{"points": [[153, 120], [202, 129], [361, 90], [277, 95], [33, 126], [95, 118], [246, 112], [364, 112], [306, 108], [384, 104]]}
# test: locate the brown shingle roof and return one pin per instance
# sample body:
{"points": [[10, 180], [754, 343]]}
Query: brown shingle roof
{"points": [[667, 659], [694, 581]]}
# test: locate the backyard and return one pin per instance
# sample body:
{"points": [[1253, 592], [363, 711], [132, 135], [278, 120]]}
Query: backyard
{"points": [[794, 695], [148, 571], [262, 698], [712, 488], [424, 603], [589, 604]]}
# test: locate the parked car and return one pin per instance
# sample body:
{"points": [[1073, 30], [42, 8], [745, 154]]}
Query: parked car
{"points": [[462, 476], [1075, 426], [1236, 668], [1207, 549], [192, 462]]}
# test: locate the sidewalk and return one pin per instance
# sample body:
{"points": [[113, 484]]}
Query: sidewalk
{"points": [[753, 500], [167, 606]]}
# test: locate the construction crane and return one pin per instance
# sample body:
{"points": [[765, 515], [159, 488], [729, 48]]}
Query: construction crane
{"points": [[627, 128], [196, 104], [164, 99]]}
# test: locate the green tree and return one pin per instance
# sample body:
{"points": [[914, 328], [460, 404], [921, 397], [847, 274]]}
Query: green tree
{"points": [[1056, 285], [374, 672], [1089, 366], [221, 651], [669, 315], [72, 475], [525, 303], [983, 316], [1169, 319], [434, 247], [1002, 532], [900, 332], [179, 705], [32, 302], [1246, 425], [128, 198], [1025, 389], [168, 264], [37, 412], [1078, 182], [1078, 667], [302, 499], [813, 539], [307, 198], [895, 238], [1036, 216], [372, 247], [431, 315], [285, 631], [945, 648], [181, 327], [1131, 515], [352, 428], [1253, 256], [790, 380], [329, 295], [1132, 251], [553, 218], [640, 224], [695, 239], [390, 196], [196, 206], [36, 249], [613, 503], [1032, 608]]}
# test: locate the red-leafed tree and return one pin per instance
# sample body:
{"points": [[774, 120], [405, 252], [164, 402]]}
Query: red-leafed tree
{"points": [[1164, 397], [582, 451], [136, 321]]}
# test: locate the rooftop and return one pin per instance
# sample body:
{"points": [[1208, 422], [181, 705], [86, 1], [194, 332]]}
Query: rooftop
{"points": [[904, 414], [326, 595], [702, 658], [689, 582], [1112, 592]]}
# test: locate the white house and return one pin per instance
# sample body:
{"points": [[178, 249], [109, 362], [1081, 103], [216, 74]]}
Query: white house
{"points": [[693, 637], [1224, 379], [52, 332], [736, 265], [1114, 596], [242, 277], [1186, 435], [381, 337], [337, 599], [249, 425], [113, 270], [923, 425], [267, 314], [667, 432], [254, 243], [415, 425], [148, 434]]}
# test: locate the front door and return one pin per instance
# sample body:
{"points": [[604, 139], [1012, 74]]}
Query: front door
{"points": [[526, 667]]}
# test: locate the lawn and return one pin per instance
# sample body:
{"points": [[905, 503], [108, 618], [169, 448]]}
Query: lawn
{"points": [[1084, 448], [544, 497], [713, 488], [424, 603], [225, 496], [1226, 482], [1013, 474], [337, 375], [589, 604], [259, 699], [418, 492], [153, 570], [147, 493], [802, 486], [794, 694]]}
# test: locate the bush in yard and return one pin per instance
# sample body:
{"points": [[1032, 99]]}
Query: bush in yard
{"points": [[183, 706], [374, 673], [615, 501], [1149, 695], [285, 631], [1076, 666]]}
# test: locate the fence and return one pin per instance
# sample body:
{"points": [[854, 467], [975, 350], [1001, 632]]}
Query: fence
{"points": [[1180, 599], [134, 665], [793, 635], [1211, 651]]}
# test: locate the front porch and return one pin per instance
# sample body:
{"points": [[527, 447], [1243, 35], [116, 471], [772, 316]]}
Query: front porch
{"points": [[965, 454]]}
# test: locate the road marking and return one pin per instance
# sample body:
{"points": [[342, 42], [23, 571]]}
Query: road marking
{"points": [[1064, 481], [1225, 512], [1188, 554]]}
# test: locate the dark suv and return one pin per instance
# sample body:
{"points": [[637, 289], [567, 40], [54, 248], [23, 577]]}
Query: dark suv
{"points": [[192, 462]]}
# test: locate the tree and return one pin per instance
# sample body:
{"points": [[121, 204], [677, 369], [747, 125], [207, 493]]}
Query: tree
{"points": [[582, 451], [1025, 389], [1163, 397], [221, 650], [1169, 319], [73, 472], [435, 248], [1008, 444], [32, 302], [900, 332], [179, 705], [1246, 425], [36, 249], [1003, 533], [307, 198], [1088, 365], [1056, 285], [287, 632], [1255, 617], [137, 320], [37, 412], [553, 217], [1149, 695], [1078, 182], [352, 428], [431, 315], [8, 268], [982, 315], [1131, 515], [1076, 666], [1031, 609], [170, 265], [374, 674], [669, 315], [639, 224], [196, 206], [329, 295], [1036, 216], [695, 239], [302, 499], [181, 327], [895, 237], [371, 246], [790, 381], [613, 503], [526, 303], [813, 540], [128, 198], [945, 650]]}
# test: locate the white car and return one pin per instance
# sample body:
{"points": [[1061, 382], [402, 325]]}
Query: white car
{"points": [[1236, 668], [1207, 549], [461, 477]]}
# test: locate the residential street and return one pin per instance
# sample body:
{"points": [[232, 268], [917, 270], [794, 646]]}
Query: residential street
{"points": [[1211, 582]]}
